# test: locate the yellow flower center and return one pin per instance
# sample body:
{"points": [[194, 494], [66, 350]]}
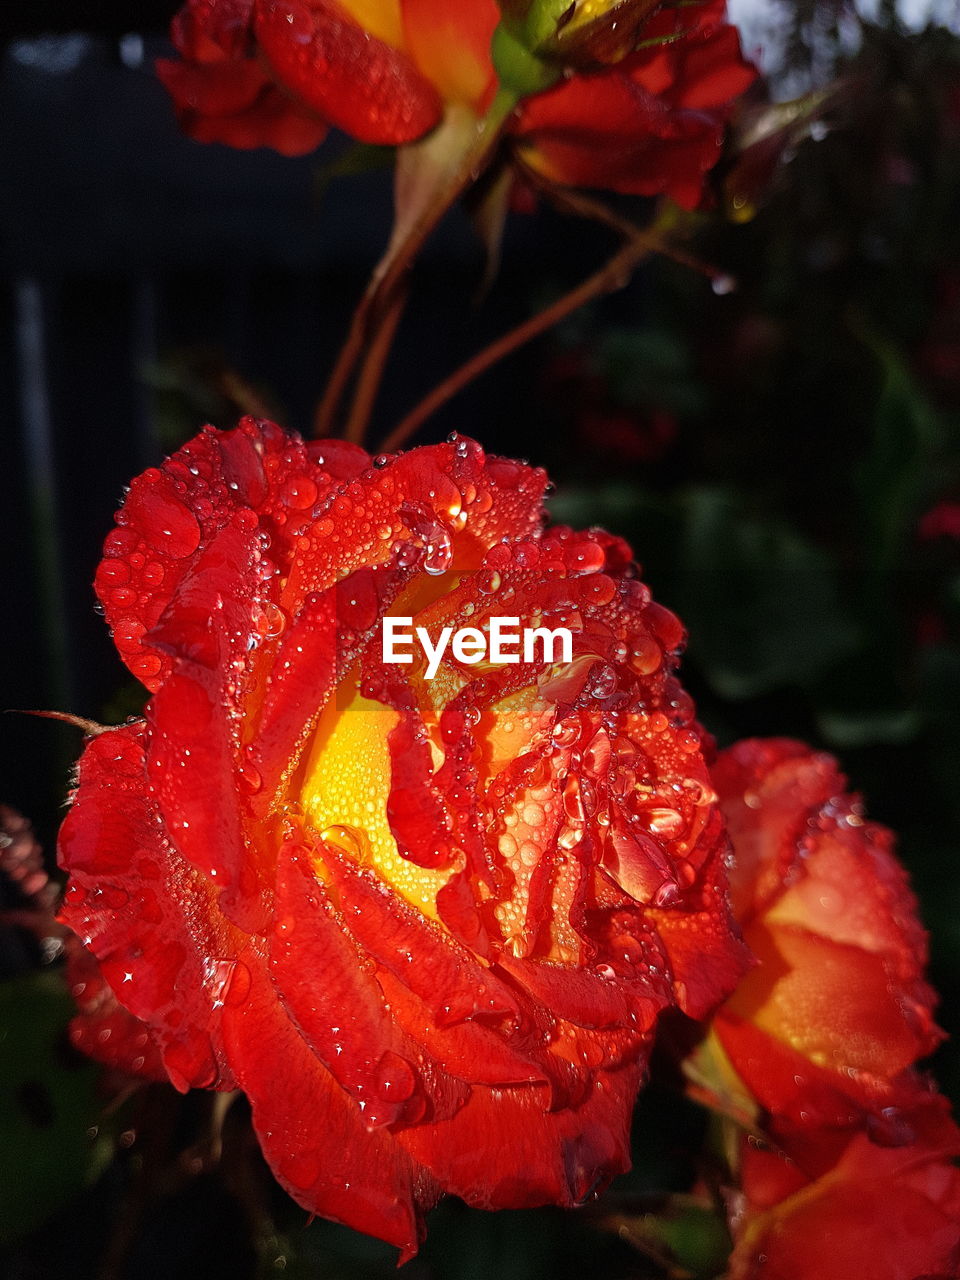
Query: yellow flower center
{"points": [[346, 791], [380, 17]]}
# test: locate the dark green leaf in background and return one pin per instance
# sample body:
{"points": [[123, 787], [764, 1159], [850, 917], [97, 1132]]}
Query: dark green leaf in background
{"points": [[49, 1105]]}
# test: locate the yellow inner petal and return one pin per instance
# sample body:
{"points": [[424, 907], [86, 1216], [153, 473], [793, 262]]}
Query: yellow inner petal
{"points": [[380, 17], [346, 791]]}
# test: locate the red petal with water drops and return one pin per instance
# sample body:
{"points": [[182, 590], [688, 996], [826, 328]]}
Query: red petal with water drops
{"points": [[455, 995], [696, 937], [103, 1028], [249, 475], [828, 1001], [340, 1010], [355, 81], [399, 939], [837, 1008], [192, 759], [814, 1205], [235, 102], [507, 1149], [651, 124], [311, 1131], [146, 914]]}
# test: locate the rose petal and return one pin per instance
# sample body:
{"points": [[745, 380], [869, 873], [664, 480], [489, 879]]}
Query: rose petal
{"points": [[353, 80]]}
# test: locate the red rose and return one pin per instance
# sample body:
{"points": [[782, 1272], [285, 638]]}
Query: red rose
{"points": [[277, 72], [427, 926], [654, 122], [825, 1205], [102, 1027], [853, 1166], [821, 1030]]}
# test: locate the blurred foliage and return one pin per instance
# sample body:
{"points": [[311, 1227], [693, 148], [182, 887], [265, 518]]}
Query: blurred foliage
{"points": [[791, 486], [50, 1108]]}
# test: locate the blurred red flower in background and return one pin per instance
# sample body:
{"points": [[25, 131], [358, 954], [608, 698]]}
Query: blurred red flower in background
{"points": [[855, 1162], [821, 1030], [828, 1205], [426, 925], [278, 72], [653, 122]]}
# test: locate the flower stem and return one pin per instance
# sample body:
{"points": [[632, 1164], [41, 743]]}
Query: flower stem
{"points": [[371, 371], [376, 308], [614, 274]]}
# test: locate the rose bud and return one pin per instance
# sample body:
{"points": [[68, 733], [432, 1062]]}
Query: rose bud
{"points": [[824, 1029], [427, 925], [579, 33], [652, 123]]}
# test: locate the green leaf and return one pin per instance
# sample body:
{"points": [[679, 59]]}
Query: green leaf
{"points": [[650, 366], [762, 604], [686, 1235], [354, 161], [896, 476], [49, 1107]]}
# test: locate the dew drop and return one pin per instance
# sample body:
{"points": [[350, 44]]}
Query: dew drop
{"points": [[438, 551], [667, 823], [566, 732], [271, 621], [146, 666], [407, 554], [646, 656], [347, 839], [237, 987], [585, 559], [603, 682], [113, 572], [174, 527], [299, 492], [600, 590], [668, 894], [396, 1078], [488, 581]]}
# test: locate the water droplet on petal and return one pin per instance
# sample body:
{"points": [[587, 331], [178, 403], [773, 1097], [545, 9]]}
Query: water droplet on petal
{"points": [[396, 1079], [603, 682], [174, 526], [437, 552], [668, 895], [348, 839], [667, 823], [584, 559], [566, 732], [488, 581], [271, 621], [237, 987], [299, 492]]}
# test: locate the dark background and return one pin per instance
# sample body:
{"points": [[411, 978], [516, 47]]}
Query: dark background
{"points": [[784, 458]]}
